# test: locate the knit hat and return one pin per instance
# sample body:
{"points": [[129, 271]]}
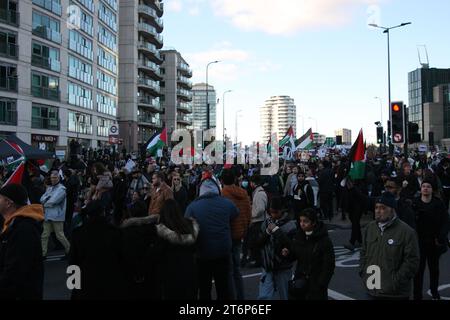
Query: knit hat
{"points": [[16, 192], [388, 199]]}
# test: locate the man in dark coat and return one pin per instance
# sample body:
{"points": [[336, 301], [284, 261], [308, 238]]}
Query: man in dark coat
{"points": [[326, 188], [21, 263], [95, 249]]}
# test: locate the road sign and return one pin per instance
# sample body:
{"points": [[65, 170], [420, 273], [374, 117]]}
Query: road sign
{"points": [[113, 140], [398, 138], [114, 130]]}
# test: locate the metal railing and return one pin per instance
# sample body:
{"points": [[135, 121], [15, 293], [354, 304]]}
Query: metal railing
{"points": [[9, 50], [45, 93], [9, 83]]}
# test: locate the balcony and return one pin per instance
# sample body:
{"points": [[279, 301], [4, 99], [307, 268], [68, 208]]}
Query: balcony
{"points": [[151, 14], [148, 120], [159, 7], [46, 63], [184, 69], [8, 118], [47, 33], [185, 82], [184, 107], [151, 34], [10, 17], [184, 120], [49, 5], [45, 93], [149, 84], [108, 20], [150, 67], [9, 84], [185, 94], [9, 50], [150, 49], [150, 103], [44, 123]]}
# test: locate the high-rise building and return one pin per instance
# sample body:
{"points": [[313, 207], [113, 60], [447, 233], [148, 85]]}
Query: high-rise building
{"points": [[276, 116], [177, 90], [200, 108], [58, 73], [140, 42], [346, 135], [420, 86], [437, 116]]}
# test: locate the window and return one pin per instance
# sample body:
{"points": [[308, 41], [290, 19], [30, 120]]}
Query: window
{"points": [[112, 4], [8, 13], [44, 117], [107, 105], [8, 112], [103, 126], [107, 38], [107, 60], [80, 44], [45, 57], [88, 4], [8, 77], [106, 83], [45, 86], [107, 16], [80, 96], [83, 125], [80, 70], [50, 5], [8, 44], [46, 27], [87, 23]]}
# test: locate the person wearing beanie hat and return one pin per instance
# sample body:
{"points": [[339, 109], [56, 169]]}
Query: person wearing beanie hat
{"points": [[432, 228], [313, 251], [21, 263], [390, 244]]}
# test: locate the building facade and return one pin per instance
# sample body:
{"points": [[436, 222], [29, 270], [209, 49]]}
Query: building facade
{"points": [[420, 86], [199, 111], [140, 41], [59, 71], [276, 116], [319, 139], [346, 135], [177, 89]]}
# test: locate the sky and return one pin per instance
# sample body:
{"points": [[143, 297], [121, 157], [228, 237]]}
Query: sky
{"points": [[322, 53]]}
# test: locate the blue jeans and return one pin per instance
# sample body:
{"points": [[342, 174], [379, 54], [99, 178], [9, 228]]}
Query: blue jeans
{"points": [[274, 282], [237, 284]]}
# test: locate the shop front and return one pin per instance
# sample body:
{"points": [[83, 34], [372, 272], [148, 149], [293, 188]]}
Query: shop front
{"points": [[44, 142]]}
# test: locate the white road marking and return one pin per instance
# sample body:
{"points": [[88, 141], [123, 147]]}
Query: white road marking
{"points": [[443, 287], [54, 258], [251, 275]]}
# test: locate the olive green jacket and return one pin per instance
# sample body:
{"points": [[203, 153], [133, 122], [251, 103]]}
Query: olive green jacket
{"points": [[396, 252]]}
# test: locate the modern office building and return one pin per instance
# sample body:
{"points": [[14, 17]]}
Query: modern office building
{"points": [[420, 86], [58, 73], [276, 116], [140, 42], [177, 90], [199, 115], [346, 135]]}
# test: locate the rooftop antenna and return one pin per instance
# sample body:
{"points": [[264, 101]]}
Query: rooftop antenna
{"points": [[427, 64]]}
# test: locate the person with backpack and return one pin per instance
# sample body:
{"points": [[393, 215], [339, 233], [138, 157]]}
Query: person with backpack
{"points": [[303, 196]]}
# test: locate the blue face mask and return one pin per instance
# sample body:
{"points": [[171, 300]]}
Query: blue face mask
{"points": [[244, 184]]}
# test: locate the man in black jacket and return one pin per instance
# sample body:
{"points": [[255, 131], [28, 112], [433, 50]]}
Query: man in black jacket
{"points": [[21, 263], [326, 188], [404, 208]]}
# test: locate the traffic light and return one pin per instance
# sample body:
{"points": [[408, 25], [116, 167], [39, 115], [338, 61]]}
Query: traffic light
{"points": [[380, 131], [413, 133], [398, 122]]}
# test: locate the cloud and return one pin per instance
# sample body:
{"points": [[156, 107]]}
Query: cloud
{"points": [[195, 11], [286, 17], [175, 5]]}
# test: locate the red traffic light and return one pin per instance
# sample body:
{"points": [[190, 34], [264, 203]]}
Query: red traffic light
{"points": [[396, 108]]}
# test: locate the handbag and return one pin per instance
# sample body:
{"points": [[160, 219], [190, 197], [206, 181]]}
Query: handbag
{"points": [[298, 287]]}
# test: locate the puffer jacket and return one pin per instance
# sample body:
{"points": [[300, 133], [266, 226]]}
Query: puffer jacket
{"points": [[241, 200], [54, 202]]}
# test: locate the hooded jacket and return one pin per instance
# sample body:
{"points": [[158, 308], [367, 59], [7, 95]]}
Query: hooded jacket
{"points": [[214, 214], [21, 264], [177, 263], [54, 202], [259, 205], [241, 200]]}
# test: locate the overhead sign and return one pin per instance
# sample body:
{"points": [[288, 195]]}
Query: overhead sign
{"points": [[114, 130]]}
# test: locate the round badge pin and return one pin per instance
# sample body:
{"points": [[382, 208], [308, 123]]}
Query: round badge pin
{"points": [[391, 242]]}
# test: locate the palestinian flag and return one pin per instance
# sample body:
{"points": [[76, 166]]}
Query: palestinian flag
{"points": [[357, 158], [306, 141], [289, 137], [16, 176], [287, 144], [157, 142]]}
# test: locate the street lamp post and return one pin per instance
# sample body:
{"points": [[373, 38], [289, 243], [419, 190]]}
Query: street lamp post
{"points": [[303, 124], [387, 31], [207, 93], [223, 113], [77, 116], [314, 119], [236, 126]]}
